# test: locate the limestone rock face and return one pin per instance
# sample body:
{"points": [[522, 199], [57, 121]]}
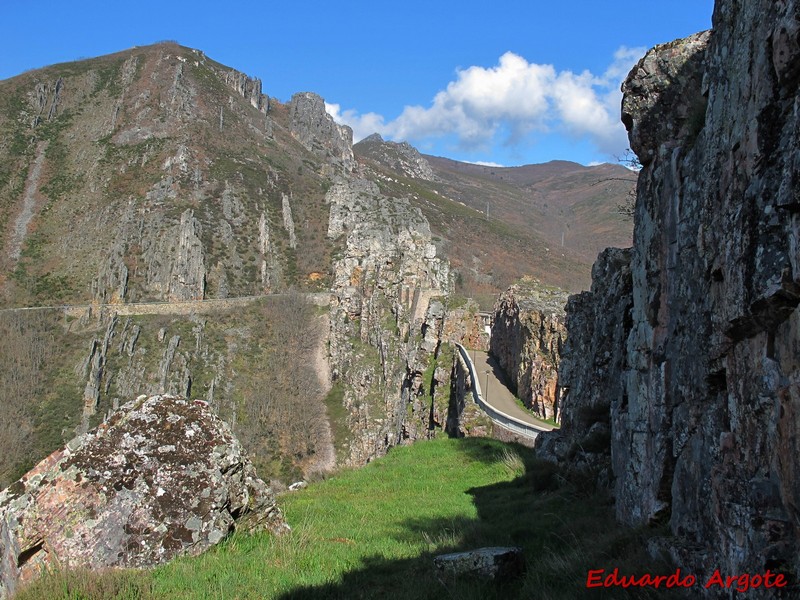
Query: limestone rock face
{"points": [[527, 335], [400, 156], [704, 431], [385, 321], [592, 367], [162, 477], [316, 130]]}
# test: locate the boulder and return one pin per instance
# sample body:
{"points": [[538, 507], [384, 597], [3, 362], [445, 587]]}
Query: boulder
{"points": [[163, 477], [487, 563]]}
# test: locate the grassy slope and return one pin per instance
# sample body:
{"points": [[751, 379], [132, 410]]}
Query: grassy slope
{"points": [[372, 533]]}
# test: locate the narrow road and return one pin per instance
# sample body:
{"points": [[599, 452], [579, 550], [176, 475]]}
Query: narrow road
{"points": [[177, 307], [496, 391]]}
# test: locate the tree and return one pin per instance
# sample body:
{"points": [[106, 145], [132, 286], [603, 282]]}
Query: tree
{"points": [[630, 161], [283, 405], [26, 348]]}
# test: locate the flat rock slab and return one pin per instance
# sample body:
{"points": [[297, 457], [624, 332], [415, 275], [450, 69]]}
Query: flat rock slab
{"points": [[163, 477], [488, 563]]}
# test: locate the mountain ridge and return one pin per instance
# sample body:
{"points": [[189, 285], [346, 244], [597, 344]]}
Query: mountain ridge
{"points": [[159, 175]]}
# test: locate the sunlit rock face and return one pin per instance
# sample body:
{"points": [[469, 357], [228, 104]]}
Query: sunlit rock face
{"points": [[162, 477], [527, 336], [703, 429]]}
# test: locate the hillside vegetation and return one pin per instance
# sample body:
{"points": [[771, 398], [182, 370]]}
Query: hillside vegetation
{"points": [[157, 175], [497, 224]]}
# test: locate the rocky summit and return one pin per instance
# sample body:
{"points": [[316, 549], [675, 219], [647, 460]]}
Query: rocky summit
{"points": [[163, 477]]}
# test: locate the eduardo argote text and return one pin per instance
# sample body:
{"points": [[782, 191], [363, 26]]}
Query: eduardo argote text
{"points": [[600, 578]]}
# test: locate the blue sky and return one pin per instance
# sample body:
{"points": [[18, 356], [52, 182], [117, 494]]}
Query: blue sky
{"points": [[497, 82]]}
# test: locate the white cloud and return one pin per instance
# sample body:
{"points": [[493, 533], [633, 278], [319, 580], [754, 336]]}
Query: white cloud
{"points": [[510, 101], [483, 163], [362, 125], [624, 60]]}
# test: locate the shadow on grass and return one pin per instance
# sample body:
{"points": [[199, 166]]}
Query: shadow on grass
{"points": [[563, 528]]}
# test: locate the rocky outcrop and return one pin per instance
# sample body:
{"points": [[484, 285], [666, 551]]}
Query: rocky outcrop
{"points": [[591, 374], [385, 321], [163, 477], [646, 97], [248, 88], [398, 156], [45, 100], [176, 265], [466, 325], [316, 130], [704, 429], [288, 222], [527, 335]]}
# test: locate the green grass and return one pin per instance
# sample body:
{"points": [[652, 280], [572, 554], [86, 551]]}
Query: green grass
{"points": [[548, 420], [372, 533]]}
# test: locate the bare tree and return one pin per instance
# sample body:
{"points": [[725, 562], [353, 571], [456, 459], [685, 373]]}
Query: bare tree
{"points": [[26, 347], [284, 409], [630, 161]]}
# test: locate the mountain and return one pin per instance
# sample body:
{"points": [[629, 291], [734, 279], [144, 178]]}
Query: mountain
{"points": [[214, 242], [549, 221]]}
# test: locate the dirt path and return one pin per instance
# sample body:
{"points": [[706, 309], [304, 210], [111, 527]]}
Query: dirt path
{"points": [[326, 452], [183, 307], [28, 204]]}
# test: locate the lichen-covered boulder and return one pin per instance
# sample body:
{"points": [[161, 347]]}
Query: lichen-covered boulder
{"points": [[162, 477]]}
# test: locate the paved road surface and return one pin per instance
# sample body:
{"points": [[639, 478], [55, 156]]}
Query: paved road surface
{"points": [[498, 394]]}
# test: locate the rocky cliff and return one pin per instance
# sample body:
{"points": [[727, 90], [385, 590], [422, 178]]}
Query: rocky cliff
{"points": [[592, 367], [163, 477], [385, 322], [527, 336], [182, 182], [400, 157], [703, 429]]}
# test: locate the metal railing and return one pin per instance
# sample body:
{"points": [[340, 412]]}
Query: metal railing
{"points": [[508, 422]]}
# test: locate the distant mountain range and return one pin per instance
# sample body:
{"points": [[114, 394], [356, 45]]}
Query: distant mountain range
{"points": [[499, 223]]}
